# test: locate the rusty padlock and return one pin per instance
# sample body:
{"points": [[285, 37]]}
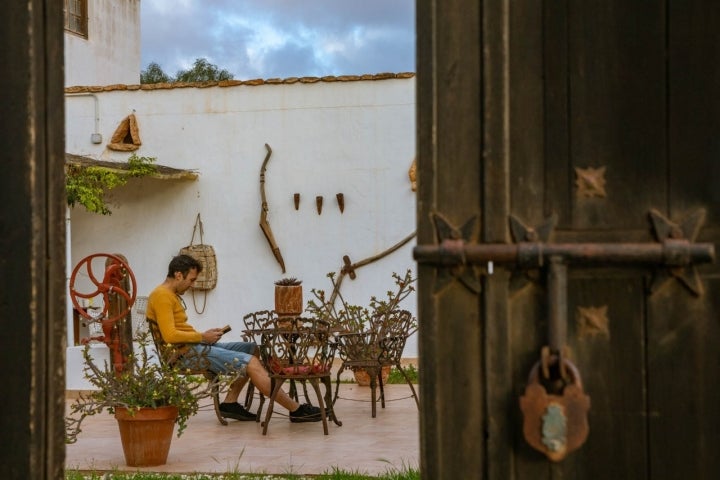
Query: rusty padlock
{"points": [[555, 424]]}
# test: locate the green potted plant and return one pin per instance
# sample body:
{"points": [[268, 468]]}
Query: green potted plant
{"points": [[350, 318], [143, 391], [288, 297]]}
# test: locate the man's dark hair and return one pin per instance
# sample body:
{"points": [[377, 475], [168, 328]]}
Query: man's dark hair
{"points": [[183, 264]]}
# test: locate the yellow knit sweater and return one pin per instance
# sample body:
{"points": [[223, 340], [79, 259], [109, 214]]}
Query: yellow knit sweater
{"points": [[165, 308]]}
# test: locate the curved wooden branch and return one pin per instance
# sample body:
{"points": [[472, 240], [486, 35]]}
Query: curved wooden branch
{"points": [[264, 225], [349, 268]]}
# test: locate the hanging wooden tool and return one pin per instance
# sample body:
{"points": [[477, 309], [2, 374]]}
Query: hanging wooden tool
{"points": [[350, 267], [264, 225]]}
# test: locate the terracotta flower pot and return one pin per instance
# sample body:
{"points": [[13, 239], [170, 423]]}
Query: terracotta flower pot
{"points": [[288, 300], [363, 379], [146, 435]]}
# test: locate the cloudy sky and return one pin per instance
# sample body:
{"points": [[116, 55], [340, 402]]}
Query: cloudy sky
{"points": [[280, 38]]}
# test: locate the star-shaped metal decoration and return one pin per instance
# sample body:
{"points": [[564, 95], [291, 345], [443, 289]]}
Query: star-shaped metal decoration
{"points": [[523, 233], [688, 229], [592, 321], [464, 273], [590, 182]]}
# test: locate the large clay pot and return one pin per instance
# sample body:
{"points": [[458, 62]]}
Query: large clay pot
{"points": [[363, 379], [288, 300], [146, 435]]}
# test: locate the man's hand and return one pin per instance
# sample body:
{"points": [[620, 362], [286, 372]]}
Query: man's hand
{"points": [[211, 336]]}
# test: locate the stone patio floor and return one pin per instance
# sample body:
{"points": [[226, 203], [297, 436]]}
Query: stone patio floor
{"points": [[388, 442]]}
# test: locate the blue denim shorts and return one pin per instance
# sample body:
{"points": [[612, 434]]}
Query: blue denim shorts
{"points": [[225, 357]]}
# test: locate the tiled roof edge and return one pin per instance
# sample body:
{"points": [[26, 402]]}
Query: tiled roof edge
{"points": [[233, 83]]}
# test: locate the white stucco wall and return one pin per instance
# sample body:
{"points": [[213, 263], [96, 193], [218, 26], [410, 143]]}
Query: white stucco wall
{"points": [[355, 138], [111, 53]]}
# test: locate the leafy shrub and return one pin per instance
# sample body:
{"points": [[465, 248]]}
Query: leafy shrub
{"points": [[142, 382], [397, 377], [88, 185]]}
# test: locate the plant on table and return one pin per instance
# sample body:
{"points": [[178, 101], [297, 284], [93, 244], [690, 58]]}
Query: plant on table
{"points": [[356, 318], [361, 328], [143, 382], [288, 297]]}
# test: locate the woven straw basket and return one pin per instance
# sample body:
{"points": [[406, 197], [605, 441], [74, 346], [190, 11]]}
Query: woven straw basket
{"points": [[205, 254]]}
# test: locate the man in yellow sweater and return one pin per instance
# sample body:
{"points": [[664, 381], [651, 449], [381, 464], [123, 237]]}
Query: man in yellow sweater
{"points": [[166, 308]]}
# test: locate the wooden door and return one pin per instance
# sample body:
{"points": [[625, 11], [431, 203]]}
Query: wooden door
{"points": [[32, 240], [598, 112]]}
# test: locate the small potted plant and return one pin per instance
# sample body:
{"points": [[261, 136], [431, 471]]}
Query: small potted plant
{"points": [[288, 297], [350, 318], [147, 394]]}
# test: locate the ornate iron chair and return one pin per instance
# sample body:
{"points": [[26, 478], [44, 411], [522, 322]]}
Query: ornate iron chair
{"points": [[299, 349], [380, 345], [199, 366], [398, 328], [255, 324]]}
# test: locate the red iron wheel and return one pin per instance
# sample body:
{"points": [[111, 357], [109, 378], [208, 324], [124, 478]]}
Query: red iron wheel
{"points": [[116, 270]]}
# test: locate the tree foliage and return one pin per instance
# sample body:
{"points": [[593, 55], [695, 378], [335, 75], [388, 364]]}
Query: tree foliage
{"points": [[203, 71], [154, 74]]}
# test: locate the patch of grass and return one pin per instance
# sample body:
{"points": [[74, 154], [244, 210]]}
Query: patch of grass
{"points": [[397, 377], [405, 473]]}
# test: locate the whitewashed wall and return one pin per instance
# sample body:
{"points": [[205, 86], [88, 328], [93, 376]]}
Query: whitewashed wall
{"points": [[111, 53], [355, 138]]}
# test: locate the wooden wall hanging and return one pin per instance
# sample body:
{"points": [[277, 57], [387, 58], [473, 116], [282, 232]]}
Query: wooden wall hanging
{"points": [[350, 267], [127, 135], [264, 225]]}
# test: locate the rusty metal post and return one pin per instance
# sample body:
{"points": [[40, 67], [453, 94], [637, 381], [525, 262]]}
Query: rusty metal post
{"points": [[557, 304]]}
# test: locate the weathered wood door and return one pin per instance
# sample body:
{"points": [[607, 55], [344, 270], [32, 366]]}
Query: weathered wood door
{"points": [[597, 112], [32, 240]]}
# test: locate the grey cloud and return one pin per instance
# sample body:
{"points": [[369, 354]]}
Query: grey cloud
{"points": [[372, 35]]}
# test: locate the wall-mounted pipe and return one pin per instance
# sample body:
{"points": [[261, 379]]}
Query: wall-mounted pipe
{"points": [[68, 271], [96, 136]]}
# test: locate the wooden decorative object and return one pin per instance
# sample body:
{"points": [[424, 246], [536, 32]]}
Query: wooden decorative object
{"points": [[590, 182], [296, 200], [264, 224], [412, 173], [126, 137], [318, 203], [341, 201], [288, 297]]}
